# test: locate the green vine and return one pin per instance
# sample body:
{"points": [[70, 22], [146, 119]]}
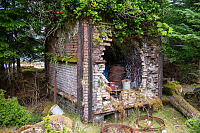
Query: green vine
{"points": [[126, 18], [56, 58]]}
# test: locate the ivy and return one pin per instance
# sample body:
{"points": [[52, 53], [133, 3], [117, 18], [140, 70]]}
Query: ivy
{"points": [[125, 17]]}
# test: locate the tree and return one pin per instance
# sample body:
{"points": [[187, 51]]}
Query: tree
{"points": [[16, 38], [183, 46]]}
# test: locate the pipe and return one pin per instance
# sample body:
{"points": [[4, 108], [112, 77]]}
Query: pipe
{"points": [[90, 72]]}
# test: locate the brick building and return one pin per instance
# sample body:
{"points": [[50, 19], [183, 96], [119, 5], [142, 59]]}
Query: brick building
{"points": [[80, 84]]}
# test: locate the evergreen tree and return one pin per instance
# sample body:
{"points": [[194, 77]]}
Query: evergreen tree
{"points": [[16, 38], [183, 46]]}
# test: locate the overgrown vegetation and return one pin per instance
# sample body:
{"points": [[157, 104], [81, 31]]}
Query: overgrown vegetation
{"points": [[16, 38], [194, 125], [183, 47], [130, 18], [47, 129], [11, 113], [172, 88]]}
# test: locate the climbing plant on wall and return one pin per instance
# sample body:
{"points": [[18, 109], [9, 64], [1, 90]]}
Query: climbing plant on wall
{"points": [[126, 17]]}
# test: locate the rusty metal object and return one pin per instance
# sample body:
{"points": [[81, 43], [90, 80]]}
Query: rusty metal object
{"points": [[116, 74], [149, 127], [117, 128]]}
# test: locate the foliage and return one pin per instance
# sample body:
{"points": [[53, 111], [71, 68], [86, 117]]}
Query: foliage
{"points": [[35, 118], [125, 18], [189, 72], [183, 45], [16, 38], [194, 125], [57, 57], [11, 25], [46, 126], [172, 87], [156, 104], [11, 113]]}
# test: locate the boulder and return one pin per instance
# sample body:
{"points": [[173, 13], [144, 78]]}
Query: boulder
{"points": [[56, 122]]}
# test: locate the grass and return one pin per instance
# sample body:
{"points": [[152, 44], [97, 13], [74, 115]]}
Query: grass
{"points": [[193, 86], [174, 121]]}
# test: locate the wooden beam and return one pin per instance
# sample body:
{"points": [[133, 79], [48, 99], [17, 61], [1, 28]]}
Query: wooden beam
{"points": [[160, 76], [80, 57]]}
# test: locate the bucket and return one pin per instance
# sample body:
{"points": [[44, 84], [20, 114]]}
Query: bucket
{"points": [[56, 110], [112, 85], [126, 84]]}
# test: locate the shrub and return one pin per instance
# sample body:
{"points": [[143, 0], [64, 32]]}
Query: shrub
{"points": [[35, 118], [194, 125], [47, 128], [11, 112]]}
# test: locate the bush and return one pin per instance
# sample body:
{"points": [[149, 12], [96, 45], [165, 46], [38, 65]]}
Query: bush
{"points": [[35, 118], [194, 125], [11, 112]]}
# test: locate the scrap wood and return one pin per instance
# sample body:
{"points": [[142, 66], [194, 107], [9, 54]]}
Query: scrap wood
{"points": [[106, 95], [69, 97]]}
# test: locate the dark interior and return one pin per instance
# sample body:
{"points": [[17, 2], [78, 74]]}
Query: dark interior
{"points": [[123, 62]]}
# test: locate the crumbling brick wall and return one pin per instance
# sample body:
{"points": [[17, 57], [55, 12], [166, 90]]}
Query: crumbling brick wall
{"points": [[150, 65], [67, 74]]}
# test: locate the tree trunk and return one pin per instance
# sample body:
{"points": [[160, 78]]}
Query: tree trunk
{"points": [[14, 67], [18, 65], [183, 106], [199, 67], [2, 67]]}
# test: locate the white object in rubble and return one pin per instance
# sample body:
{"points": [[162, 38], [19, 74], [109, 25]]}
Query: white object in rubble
{"points": [[106, 103], [126, 84], [164, 131], [56, 110], [148, 93]]}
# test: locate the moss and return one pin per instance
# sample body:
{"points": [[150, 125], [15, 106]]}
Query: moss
{"points": [[172, 88], [187, 109], [165, 100], [73, 59], [156, 103]]}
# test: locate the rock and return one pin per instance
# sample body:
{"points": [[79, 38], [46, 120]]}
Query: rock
{"points": [[56, 122], [98, 118]]}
